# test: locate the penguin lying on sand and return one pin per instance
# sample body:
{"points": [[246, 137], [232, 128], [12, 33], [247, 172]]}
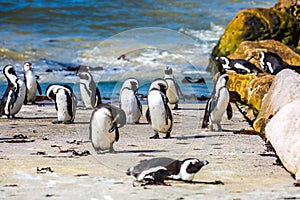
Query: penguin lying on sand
{"points": [[65, 102], [89, 91], [240, 66], [129, 102], [104, 127], [173, 90], [217, 104], [14, 95], [156, 170], [273, 63], [159, 114], [32, 85]]}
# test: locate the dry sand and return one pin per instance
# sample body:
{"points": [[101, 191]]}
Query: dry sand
{"points": [[241, 162]]}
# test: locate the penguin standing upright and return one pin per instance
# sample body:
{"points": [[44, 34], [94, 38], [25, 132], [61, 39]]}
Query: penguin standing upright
{"points": [[159, 114], [89, 91], [104, 127], [173, 90], [65, 103], [31, 83], [239, 66], [218, 104], [14, 95], [129, 102], [156, 170]]}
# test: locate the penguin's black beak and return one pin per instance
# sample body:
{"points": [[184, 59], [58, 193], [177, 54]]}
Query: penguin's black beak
{"points": [[202, 163], [112, 129]]}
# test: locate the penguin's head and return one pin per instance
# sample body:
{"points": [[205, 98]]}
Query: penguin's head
{"points": [[195, 165], [134, 85], [168, 70], [84, 75], [159, 84], [190, 167], [270, 61], [27, 66], [224, 61], [10, 73], [118, 116]]}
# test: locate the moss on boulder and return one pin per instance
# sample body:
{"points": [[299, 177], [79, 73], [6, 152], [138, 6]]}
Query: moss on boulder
{"points": [[249, 89], [255, 25]]}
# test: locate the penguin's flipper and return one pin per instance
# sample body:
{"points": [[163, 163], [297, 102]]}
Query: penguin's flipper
{"points": [[170, 116], [117, 134], [229, 111], [39, 88], [148, 117], [206, 115], [69, 103], [25, 99], [98, 97], [139, 103]]}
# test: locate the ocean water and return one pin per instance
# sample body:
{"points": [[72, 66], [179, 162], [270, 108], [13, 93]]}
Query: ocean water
{"points": [[57, 35]]}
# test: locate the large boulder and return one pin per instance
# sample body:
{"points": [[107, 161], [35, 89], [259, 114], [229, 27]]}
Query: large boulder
{"points": [[249, 89], [254, 25], [283, 133], [248, 50], [284, 89]]}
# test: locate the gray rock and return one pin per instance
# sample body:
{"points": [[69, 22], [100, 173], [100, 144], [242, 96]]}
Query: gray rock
{"points": [[283, 133], [284, 89]]}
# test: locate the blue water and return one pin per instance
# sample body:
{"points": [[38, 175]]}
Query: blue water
{"points": [[55, 35]]}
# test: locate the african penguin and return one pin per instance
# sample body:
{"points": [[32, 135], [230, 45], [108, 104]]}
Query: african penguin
{"points": [[32, 85], [240, 66], [129, 101], [159, 114], [173, 90], [104, 127], [14, 95], [273, 63], [217, 104], [89, 91], [65, 103], [156, 170]]}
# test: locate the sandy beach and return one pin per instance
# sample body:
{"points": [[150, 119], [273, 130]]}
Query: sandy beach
{"points": [[41, 160]]}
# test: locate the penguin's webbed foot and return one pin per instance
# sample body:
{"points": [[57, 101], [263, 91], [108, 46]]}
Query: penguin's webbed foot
{"points": [[168, 135], [68, 122], [155, 136], [56, 122], [176, 107], [111, 150]]}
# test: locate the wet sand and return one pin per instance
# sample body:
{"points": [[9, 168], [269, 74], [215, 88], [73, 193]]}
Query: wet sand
{"points": [[53, 163]]}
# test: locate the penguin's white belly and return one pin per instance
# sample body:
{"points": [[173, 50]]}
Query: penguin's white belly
{"points": [[62, 106], [86, 96], [158, 113], [172, 93], [130, 106], [16, 107], [99, 127], [220, 107], [31, 87]]}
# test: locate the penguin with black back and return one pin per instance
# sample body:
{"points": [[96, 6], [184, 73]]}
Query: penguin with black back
{"points": [[239, 66], [157, 170], [273, 63]]}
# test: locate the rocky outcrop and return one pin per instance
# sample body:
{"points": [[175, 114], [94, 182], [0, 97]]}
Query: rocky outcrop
{"points": [[248, 50], [284, 89], [283, 133], [255, 25], [249, 89]]}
